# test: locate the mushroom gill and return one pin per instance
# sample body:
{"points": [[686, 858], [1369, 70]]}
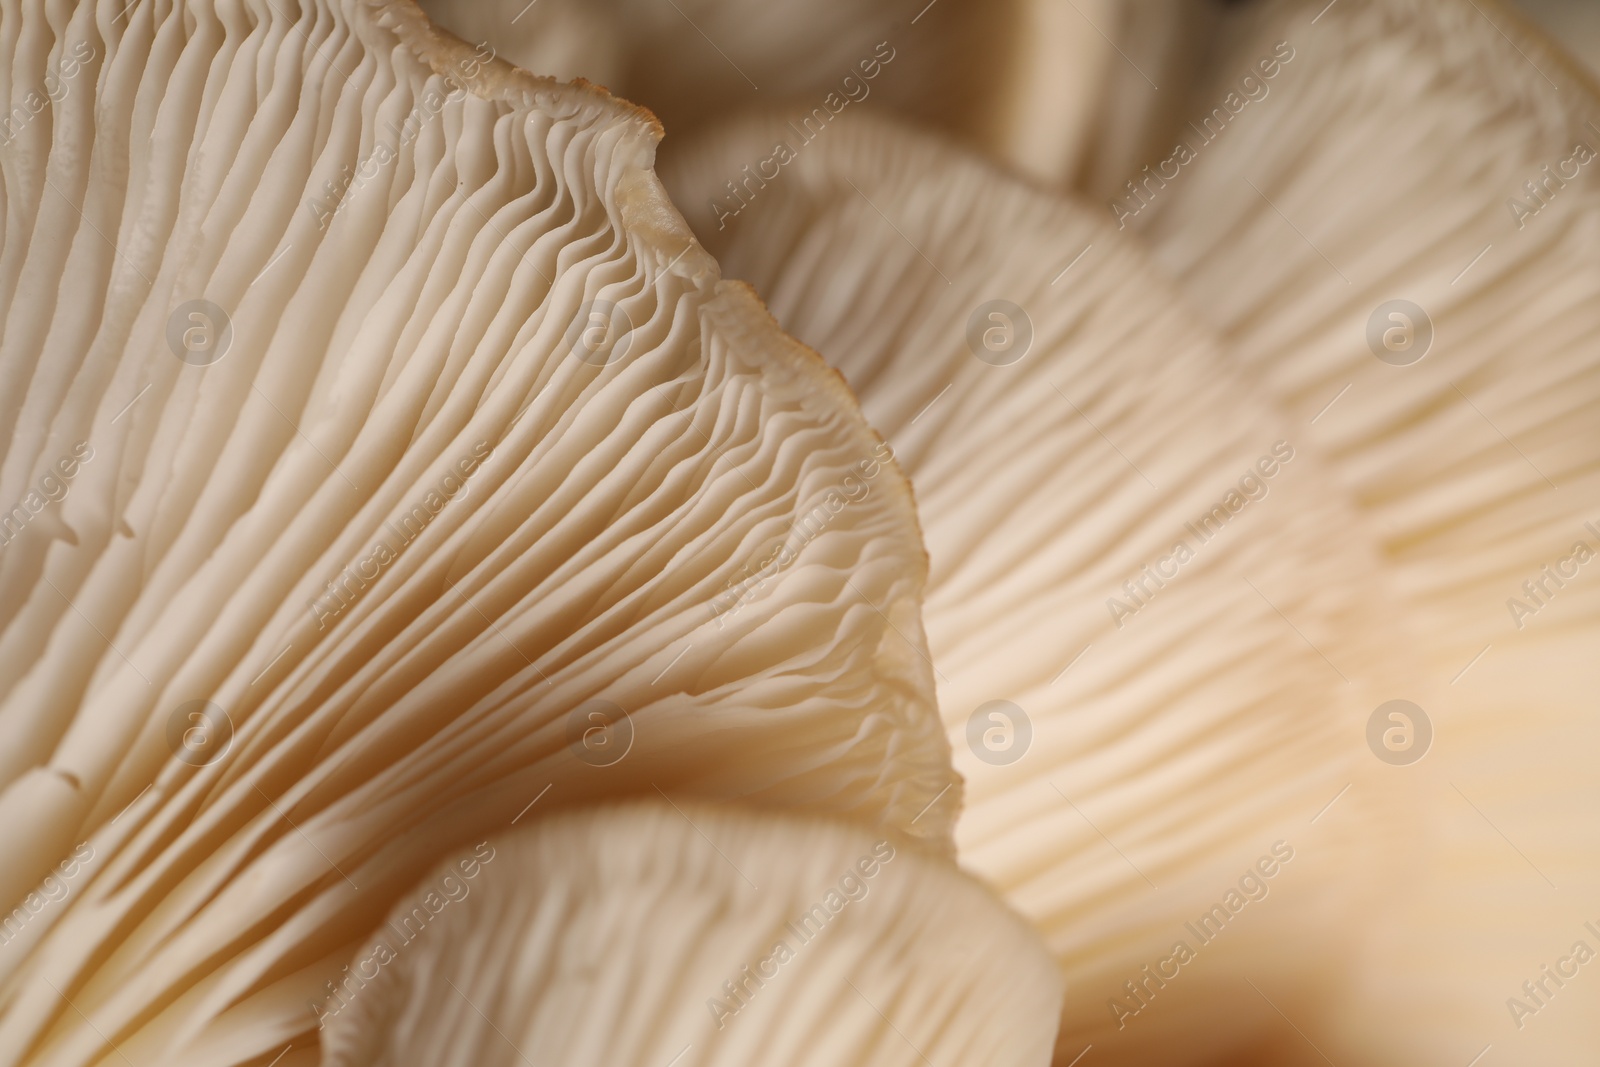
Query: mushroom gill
{"points": [[389, 477], [400, 457], [1403, 236], [1448, 170], [1152, 613]]}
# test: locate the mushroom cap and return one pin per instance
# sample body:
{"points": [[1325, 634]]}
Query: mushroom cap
{"points": [[1127, 752], [1388, 161], [632, 934], [426, 465], [1429, 152]]}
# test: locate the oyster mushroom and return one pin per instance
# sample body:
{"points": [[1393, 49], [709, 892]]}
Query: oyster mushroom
{"points": [[1468, 448], [426, 465], [647, 934], [1465, 429], [1150, 608]]}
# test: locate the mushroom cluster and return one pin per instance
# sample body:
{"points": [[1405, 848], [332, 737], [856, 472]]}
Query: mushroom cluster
{"points": [[968, 566]]}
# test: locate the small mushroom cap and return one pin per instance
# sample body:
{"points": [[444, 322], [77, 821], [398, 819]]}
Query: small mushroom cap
{"points": [[651, 933]]}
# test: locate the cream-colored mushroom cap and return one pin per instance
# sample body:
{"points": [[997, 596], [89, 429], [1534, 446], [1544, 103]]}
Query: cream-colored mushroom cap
{"points": [[386, 456], [1407, 228], [1151, 610], [700, 936], [1407, 213]]}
